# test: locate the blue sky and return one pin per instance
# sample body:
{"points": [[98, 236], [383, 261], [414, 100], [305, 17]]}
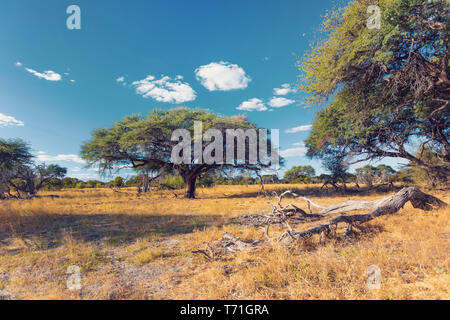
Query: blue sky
{"points": [[231, 57]]}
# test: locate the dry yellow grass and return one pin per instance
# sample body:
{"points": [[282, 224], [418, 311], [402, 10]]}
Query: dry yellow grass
{"points": [[140, 248]]}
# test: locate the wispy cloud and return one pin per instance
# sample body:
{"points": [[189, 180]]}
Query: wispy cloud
{"points": [[8, 121], [85, 176], [42, 156], [300, 151], [165, 89], [47, 75], [222, 76], [120, 79], [254, 104], [299, 129], [18, 64], [278, 102], [284, 90]]}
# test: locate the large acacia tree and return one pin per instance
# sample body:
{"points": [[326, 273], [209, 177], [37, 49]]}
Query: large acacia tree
{"points": [[146, 143], [388, 88]]}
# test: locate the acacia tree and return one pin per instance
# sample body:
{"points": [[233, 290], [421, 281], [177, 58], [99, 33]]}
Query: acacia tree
{"points": [[333, 162], [18, 172], [45, 173], [15, 156], [141, 143], [389, 86], [370, 175], [299, 172]]}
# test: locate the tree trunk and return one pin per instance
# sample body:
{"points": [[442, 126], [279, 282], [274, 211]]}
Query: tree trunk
{"points": [[145, 183], [190, 187]]}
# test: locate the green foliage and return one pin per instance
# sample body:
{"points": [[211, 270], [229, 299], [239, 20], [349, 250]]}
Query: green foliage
{"points": [[91, 184], [403, 176], [300, 174], [69, 183], [118, 182], [145, 144], [49, 175], [52, 184], [171, 182], [424, 177], [333, 162], [388, 87], [370, 175], [14, 153], [18, 172], [80, 185]]}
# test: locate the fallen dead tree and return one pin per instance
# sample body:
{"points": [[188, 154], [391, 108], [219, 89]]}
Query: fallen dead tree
{"points": [[290, 214], [381, 207]]}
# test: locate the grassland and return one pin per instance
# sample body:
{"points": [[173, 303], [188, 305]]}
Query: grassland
{"points": [[141, 248]]}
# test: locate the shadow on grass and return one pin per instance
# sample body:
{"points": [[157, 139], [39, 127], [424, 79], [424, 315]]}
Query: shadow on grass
{"points": [[115, 229]]}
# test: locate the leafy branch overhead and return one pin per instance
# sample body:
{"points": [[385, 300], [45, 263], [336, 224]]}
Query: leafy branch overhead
{"points": [[387, 89]]}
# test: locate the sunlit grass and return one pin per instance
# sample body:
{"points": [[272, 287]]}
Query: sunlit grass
{"points": [[141, 248]]}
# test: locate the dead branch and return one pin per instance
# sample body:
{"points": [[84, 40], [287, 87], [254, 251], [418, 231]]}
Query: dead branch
{"points": [[412, 194], [290, 214], [388, 205], [228, 244]]}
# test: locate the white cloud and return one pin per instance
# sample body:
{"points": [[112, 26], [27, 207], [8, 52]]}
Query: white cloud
{"points": [[278, 102], [85, 176], [254, 104], [42, 156], [299, 129], [47, 75], [294, 152], [222, 76], [18, 64], [71, 80], [120, 79], [8, 121], [301, 143], [284, 90], [165, 89]]}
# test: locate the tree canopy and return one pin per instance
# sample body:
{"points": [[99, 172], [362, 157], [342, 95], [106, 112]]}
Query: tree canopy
{"points": [[145, 143], [18, 171], [14, 153], [299, 173], [388, 88]]}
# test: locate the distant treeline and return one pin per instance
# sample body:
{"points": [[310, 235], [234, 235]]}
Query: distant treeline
{"points": [[368, 175]]}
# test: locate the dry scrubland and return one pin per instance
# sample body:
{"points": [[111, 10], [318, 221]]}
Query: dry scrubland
{"points": [[130, 248]]}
